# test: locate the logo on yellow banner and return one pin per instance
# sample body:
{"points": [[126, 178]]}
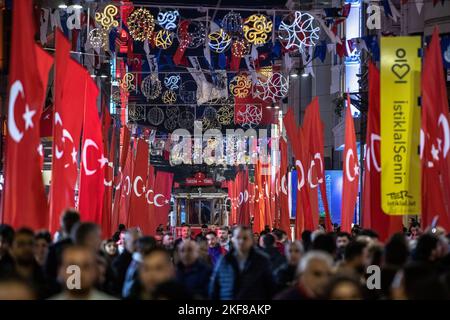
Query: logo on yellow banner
{"points": [[400, 125]]}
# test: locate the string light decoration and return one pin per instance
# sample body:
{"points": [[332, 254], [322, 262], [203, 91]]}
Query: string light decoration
{"points": [[168, 19], [298, 31], [257, 29], [171, 121], [188, 92], [186, 120], [250, 117], [275, 88], [151, 87], [106, 18], [240, 86], [127, 82], [219, 41], [163, 39], [169, 97], [240, 48], [171, 81], [141, 24], [155, 116], [225, 115], [191, 33], [98, 38], [232, 24]]}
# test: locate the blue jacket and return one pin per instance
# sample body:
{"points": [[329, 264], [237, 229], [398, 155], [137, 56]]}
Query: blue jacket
{"points": [[255, 282]]}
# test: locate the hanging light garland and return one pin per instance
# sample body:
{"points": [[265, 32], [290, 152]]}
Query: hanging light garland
{"points": [[240, 86], [298, 31], [127, 82], [257, 29], [169, 97], [168, 19], [219, 41], [171, 81], [191, 33], [106, 18], [232, 24], [151, 87], [240, 48], [98, 38], [141, 24], [163, 39]]}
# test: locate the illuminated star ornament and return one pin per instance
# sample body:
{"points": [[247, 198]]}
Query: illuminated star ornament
{"points": [[298, 31], [163, 39]]}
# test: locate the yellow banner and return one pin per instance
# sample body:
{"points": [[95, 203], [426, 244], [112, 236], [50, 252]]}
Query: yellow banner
{"points": [[400, 125]]}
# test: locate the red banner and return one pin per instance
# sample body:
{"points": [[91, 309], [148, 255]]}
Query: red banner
{"points": [[313, 129], [285, 223], [351, 172], [435, 138], [137, 213], [372, 216], [92, 159], [25, 201], [68, 119], [162, 193]]}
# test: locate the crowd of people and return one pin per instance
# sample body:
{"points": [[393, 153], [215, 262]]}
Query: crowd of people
{"points": [[221, 263]]}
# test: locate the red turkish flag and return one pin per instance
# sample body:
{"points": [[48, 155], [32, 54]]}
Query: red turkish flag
{"points": [[137, 216], [351, 172], [266, 178], [373, 216], [304, 219], [107, 227], [162, 193], [245, 205], [232, 195], [24, 199], [93, 160], [435, 138], [259, 212], [285, 222], [313, 128], [70, 81], [150, 209]]}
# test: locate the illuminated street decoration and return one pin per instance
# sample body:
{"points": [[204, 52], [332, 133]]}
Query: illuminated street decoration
{"points": [[167, 20], [219, 41], [163, 39], [106, 18], [298, 31], [240, 86], [141, 24], [151, 87], [257, 29], [232, 24]]}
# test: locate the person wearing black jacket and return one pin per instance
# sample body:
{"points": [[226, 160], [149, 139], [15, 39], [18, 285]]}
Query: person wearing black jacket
{"points": [[276, 258], [69, 219], [244, 273]]}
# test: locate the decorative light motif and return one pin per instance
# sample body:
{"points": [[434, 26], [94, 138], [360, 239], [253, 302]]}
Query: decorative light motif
{"points": [[136, 112], [106, 18], [232, 24], [251, 117], [225, 115], [240, 48], [167, 20], [163, 39], [209, 113], [275, 88], [171, 121], [210, 124], [191, 33], [257, 29], [141, 24], [188, 92], [151, 87], [171, 81], [155, 116], [186, 120], [127, 82], [219, 41], [98, 38], [169, 97], [298, 31], [240, 86]]}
